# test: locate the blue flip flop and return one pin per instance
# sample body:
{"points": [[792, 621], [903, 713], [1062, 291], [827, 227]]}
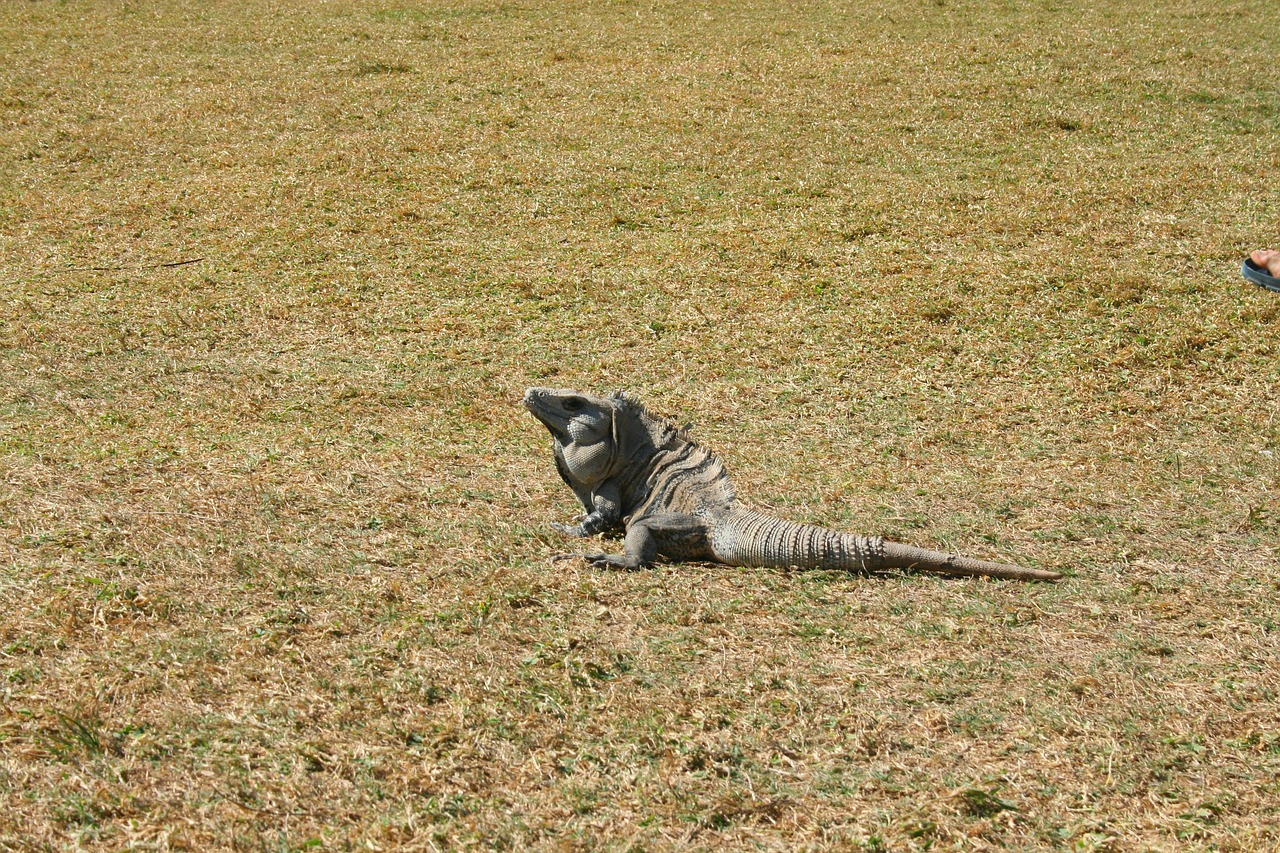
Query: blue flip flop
{"points": [[1259, 276]]}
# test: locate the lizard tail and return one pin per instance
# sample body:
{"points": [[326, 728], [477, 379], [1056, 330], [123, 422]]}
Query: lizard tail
{"points": [[749, 538], [897, 556]]}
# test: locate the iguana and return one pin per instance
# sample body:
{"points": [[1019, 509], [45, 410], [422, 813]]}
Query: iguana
{"points": [[638, 472]]}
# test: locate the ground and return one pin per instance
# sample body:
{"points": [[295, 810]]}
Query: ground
{"points": [[275, 570]]}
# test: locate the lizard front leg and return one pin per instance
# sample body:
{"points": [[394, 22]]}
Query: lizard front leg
{"points": [[672, 534], [605, 514]]}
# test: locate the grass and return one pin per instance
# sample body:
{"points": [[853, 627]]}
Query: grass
{"points": [[276, 532]]}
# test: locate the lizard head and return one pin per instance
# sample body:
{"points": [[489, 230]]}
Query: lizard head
{"points": [[571, 416], [583, 428]]}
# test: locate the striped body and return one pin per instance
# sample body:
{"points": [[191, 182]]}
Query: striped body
{"points": [[690, 480]]}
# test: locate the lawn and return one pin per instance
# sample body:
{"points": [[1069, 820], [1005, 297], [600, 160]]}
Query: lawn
{"points": [[276, 531]]}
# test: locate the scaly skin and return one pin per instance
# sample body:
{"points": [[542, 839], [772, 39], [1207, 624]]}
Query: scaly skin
{"points": [[636, 472]]}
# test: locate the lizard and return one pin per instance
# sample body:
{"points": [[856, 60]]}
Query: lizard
{"points": [[639, 474]]}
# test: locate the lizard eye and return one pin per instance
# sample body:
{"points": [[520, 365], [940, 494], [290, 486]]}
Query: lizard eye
{"points": [[573, 404]]}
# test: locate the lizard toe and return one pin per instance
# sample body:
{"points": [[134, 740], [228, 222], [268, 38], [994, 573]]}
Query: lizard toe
{"points": [[610, 561]]}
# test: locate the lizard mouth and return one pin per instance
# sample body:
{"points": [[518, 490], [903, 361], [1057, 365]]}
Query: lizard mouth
{"points": [[536, 404]]}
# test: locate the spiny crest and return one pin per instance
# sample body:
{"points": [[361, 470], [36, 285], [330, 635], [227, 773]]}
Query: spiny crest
{"points": [[628, 405], [671, 437]]}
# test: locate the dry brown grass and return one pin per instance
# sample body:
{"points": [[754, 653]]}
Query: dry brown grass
{"points": [[274, 570]]}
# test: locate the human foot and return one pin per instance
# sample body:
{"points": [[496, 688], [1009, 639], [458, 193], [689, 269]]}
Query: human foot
{"points": [[1268, 259]]}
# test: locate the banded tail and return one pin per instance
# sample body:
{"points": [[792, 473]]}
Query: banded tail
{"points": [[747, 538]]}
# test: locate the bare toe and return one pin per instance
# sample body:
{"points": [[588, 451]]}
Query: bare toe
{"points": [[1268, 259]]}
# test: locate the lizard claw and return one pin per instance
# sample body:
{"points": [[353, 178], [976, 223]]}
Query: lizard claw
{"points": [[609, 561], [601, 561], [574, 530]]}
